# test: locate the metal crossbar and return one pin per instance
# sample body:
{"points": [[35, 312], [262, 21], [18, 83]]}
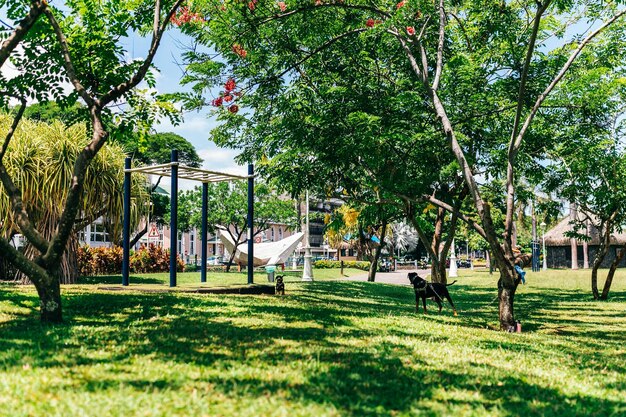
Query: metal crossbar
{"points": [[188, 173]]}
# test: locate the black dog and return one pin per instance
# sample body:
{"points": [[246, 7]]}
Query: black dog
{"points": [[424, 289], [280, 285]]}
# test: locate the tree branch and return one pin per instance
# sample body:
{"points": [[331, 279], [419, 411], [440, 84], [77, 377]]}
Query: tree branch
{"points": [[21, 215], [562, 73], [37, 7], [16, 121], [67, 61], [414, 65], [316, 51], [514, 144], [121, 89], [449, 208], [442, 26]]}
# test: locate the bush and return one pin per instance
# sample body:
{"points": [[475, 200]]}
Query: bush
{"points": [[153, 259], [107, 261], [325, 264], [99, 261]]}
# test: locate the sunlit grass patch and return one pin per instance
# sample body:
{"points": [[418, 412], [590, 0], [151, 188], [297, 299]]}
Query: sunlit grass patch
{"points": [[328, 348]]}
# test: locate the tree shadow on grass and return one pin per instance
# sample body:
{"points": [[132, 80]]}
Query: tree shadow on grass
{"points": [[241, 331], [117, 280]]}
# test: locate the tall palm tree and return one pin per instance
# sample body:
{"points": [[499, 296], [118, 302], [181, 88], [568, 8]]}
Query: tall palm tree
{"points": [[40, 159]]}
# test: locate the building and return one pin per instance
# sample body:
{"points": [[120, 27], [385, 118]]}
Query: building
{"points": [[561, 250]]}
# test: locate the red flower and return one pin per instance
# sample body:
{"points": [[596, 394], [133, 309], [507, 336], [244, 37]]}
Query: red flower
{"points": [[217, 102], [410, 30], [233, 109], [282, 6], [369, 23], [318, 2], [228, 98], [185, 16], [239, 50], [401, 4], [251, 5], [230, 85]]}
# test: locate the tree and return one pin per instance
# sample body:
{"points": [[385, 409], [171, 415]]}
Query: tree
{"points": [[39, 159], [478, 82], [228, 207], [80, 44], [589, 169]]}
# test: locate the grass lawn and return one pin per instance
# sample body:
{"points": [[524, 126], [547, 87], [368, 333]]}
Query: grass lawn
{"points": [[215, 279], [328, 348]]}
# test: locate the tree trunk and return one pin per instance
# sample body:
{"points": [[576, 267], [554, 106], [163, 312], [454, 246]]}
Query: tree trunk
{"points": [[506, 295], [507, 284], [50, 301], [438, 271], [609, 278], [371, 275], [602, 251]]}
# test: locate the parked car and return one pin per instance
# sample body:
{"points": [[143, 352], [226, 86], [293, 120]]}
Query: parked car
{"points": [[464, 263]]}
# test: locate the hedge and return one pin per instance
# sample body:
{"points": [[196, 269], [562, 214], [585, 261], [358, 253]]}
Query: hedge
{"points": [[325, 264]]}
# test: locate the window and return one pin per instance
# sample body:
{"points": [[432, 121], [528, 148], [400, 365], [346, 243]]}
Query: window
{"points": [[192, 244], [98, 233], [272, 234], [280, 233]]}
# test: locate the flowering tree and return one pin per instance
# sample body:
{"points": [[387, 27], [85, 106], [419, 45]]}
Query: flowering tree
{"points": [[480, 75]]}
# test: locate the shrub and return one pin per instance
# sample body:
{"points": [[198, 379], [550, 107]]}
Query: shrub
{"points": [[326, 264], [153, 259], [99, 261], [106, 261]]}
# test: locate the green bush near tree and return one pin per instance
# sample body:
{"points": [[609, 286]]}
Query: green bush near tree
{"points": [[325, 264]]}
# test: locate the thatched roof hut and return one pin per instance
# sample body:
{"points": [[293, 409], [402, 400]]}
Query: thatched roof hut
{"points": [[556, 236]]}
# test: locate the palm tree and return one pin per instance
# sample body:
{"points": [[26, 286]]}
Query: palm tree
{"points": [[404, 237], [40, 159]]}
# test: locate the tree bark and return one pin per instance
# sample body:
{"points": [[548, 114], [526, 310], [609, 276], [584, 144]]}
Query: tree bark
{"points": [[609, 278], [602, 251], [50, 300], [371, 275], [506, 295]]}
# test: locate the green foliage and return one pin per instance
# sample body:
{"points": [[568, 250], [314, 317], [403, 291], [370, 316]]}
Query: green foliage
{"points": [[153, 259], [108, 260], [99, 261], [228, 207], [40, 159], [156, 149], [326, 264]]}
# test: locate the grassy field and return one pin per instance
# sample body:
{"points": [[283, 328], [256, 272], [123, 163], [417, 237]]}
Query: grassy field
{"points": [[329, 348]]}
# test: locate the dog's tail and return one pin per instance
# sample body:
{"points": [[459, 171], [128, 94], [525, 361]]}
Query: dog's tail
{"points": [[452, 283]]}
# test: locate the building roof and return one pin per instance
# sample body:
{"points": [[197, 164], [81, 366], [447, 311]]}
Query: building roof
{"points": [[556, 235]]}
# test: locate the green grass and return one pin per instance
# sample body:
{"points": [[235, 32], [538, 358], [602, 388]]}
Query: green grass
{"points": [[329, 348], [216, 279]]}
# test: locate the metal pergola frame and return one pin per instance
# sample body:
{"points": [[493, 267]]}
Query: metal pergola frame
{"points": [[175, 170]]}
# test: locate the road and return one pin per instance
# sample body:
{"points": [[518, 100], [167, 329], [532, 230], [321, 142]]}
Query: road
{"points": [[396, 278]]}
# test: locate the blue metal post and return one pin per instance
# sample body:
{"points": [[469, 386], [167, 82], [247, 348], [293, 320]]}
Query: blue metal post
{"points": [[126, 227], [174, 218], [205, 210], [250, 224]]}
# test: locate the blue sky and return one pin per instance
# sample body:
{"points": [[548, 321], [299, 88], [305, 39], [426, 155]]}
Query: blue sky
{"points": [[196, 125]]}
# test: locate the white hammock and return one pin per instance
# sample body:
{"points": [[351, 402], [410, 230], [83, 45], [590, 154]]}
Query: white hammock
{"points": [[266, 253]]}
